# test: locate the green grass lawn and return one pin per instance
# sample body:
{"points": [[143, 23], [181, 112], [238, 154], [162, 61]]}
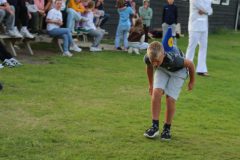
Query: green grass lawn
{"points": [[96, 106]]}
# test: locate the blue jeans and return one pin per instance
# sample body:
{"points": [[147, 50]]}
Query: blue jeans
{"points": [[65, 33], [122, 33], [97, 36], [72, 17]]}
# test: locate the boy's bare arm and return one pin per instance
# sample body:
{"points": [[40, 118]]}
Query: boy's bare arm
{"points": [[190, 66], [149, 70]]}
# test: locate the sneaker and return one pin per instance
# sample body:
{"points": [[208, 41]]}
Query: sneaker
{"points": [[17, 33], [136, 51], [130, 50], [67, 53], [11, 33], [151, 132], [95, 49], [119, 48], [165, 135], [25, 33], [8, 63], [75, 48], [15, 62]]}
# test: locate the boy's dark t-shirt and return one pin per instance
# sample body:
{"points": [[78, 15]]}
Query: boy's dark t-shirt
{"points": [[173, 60]]}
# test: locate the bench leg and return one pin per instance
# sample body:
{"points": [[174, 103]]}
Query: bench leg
{"points": [[59, 43], [11, 47], [27, 44]]}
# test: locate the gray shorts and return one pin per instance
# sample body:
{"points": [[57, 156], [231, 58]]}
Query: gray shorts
{"points": [[170, 82]]}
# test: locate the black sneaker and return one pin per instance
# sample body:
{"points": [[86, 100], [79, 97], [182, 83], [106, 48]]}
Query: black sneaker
{"points": [[165, 135], [151, 132], [119, 48]]}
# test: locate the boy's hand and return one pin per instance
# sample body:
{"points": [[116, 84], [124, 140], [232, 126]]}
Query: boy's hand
{"points": [[190, 86], [150, 90]]}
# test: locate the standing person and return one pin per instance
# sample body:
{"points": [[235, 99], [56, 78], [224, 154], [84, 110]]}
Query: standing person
{"points": [[166, 71], [54, 21], [169, 18], [198, 33], [145, 12], [124, 24]]}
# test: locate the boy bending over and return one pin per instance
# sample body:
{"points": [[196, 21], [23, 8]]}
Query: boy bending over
{"points": [[166, 73]]}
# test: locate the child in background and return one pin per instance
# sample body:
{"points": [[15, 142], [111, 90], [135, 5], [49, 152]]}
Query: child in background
{"points": [[136, 38], [124, 24], [91, 29], [54, 21], [145, 12], [169, 18]]}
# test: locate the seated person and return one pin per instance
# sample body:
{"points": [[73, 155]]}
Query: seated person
{"points": [[37, 14], [7, 58], [103, 15], [54, 21], [91, 28], [136, 38], [21, 17], [75, 11], [7, 15]]}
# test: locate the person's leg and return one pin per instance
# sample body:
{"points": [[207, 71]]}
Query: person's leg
{"points": [[202, 54], [118, 37], [146, 28], [61, 32], [72, 17], [164, 29], [98, 35], [160, 82], [125, 38], [174, 34], [192, 44], [2, 15], [105, 19], [170, 110], [10, 20]]}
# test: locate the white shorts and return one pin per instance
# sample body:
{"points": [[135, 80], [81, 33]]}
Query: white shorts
{"points": [[170, 82]]}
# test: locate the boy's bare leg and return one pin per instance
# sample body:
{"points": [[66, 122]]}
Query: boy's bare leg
{"points": [[170, 109], [156, 103]]}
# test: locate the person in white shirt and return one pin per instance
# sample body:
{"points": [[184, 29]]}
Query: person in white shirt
{"points": [[7, 14], [198, 33], [54, 21], [91, 29]]}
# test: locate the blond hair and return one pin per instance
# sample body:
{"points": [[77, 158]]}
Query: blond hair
{"points": [[155, 50]]}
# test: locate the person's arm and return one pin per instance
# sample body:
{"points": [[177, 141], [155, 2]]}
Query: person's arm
{"points": [[190, 66], [7, 8], [204, 6], [47, 7], [150, 71]]}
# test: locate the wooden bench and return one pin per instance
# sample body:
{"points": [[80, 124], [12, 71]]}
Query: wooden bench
{"points": [[10, 42]]}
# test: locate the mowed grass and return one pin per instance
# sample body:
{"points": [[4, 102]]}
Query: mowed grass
{"points": [[96, 106]]}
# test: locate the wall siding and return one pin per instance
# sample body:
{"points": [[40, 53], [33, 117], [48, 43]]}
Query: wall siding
{"points": [[223, 16]]}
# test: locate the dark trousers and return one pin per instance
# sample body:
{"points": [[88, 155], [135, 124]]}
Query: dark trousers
{"points": [[21, 12], [4, 54], [105, 19], [146, 29]]}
